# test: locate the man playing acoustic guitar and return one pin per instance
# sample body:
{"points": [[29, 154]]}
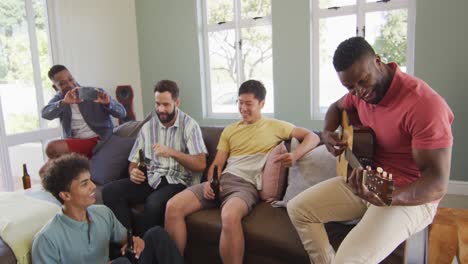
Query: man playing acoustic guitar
{"points": [[412, 126]]}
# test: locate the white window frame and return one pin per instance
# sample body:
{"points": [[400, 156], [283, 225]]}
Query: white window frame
{"points": [[43, 134], [360, 10], [238, 24]]}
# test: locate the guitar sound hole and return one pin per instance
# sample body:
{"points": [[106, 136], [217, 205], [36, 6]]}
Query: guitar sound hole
{"points": [[366, 161]]}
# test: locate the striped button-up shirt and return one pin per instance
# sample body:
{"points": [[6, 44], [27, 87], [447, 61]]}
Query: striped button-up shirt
{"points": [[184, 136]]}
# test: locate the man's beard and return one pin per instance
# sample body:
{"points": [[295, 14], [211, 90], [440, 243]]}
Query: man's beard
{"points": [[167, 118], [380, 91]]}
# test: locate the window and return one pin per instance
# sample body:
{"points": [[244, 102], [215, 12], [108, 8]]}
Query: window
{"points": [[24, 87], [388, 25], [237, 46]]}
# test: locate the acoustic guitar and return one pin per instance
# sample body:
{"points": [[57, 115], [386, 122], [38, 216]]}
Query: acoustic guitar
{"points": [[359, 153]]}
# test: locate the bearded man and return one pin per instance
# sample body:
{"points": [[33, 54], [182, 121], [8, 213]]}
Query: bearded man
{"points": [[175, 154]]}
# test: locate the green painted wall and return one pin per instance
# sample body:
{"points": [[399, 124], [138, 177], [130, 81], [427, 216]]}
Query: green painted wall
{"points": [[169, 48], [442, 61]]}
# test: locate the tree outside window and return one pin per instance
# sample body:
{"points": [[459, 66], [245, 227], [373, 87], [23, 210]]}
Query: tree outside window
{"points": [[17, 84], [239, 48], [385, 25], [24, 89]]}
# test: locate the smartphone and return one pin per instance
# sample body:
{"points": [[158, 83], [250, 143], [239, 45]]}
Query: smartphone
{"points": [[88, 93]]}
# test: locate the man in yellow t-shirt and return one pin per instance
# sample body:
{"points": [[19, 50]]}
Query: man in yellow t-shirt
{"points": [[244, 145]]}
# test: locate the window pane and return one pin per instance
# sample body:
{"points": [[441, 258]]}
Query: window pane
{"points": [[16, 73], [257, 59], [387, 31], [44, 54], [30, 154], [219, 11], [332, 32], [223, 71], [251, 9], [332, 3]]}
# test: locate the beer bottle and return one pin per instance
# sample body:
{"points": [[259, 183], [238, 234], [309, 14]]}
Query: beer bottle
{"points": [[215, 183], [141, 163], [26, 178], [129, 250]]}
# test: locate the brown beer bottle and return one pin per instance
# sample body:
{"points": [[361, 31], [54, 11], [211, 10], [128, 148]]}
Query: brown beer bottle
{"points": [[26, 178], [130, 248], [141, 164], [214, 184]]}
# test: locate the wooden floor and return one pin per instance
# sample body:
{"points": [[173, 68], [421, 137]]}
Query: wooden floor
{"points": [[448, 236]]}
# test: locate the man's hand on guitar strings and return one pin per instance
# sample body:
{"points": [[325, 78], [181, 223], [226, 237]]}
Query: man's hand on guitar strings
{"points": [[334, 145], [355, 181]]}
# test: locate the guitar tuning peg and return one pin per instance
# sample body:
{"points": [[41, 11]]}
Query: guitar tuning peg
{"points": [[384, 174], [368, 168], [390, 176], [379, 170]]}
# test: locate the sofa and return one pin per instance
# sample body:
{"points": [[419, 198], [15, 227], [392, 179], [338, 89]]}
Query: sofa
{"points": [[269, 234]]}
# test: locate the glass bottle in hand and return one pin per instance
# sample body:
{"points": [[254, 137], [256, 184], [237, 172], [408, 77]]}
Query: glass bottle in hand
{"points": [[215, 184], [142, 164], [129, 250]]}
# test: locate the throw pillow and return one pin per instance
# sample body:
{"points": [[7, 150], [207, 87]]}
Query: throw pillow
{"points": [[296, 185], [110, 162], [22, 217], [315, 166], [131, 128], [41, 194], [273, 176]]}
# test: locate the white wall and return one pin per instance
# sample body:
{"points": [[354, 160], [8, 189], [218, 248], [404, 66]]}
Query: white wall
{"points": [[97, 41]]}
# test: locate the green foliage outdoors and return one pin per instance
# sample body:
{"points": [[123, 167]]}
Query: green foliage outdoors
{"points": [[22, 123], [15, 55], [391, 45], [257, 44], [256, 41]]}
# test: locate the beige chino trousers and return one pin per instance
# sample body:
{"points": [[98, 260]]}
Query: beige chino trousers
{"points": [[377, 234]]}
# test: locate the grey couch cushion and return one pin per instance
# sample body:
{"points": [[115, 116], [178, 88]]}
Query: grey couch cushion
{"points": [[316, 166], [131, 128], [111, 161]]}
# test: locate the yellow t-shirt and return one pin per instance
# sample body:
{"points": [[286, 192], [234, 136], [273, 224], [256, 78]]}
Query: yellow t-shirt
{"points": [[249, 144]]}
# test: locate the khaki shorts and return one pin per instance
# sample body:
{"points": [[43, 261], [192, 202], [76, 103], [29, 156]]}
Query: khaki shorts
{"points": [[233, 186]]}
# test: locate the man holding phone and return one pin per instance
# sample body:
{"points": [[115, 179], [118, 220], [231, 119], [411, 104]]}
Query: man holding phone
{"points": [[84, 114]]}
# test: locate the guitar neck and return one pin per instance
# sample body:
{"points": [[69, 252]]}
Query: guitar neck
{"points": [[352, 159], [360, 151]]}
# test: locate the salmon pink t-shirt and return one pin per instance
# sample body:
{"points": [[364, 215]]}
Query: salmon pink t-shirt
{"points": [[410, 116]]}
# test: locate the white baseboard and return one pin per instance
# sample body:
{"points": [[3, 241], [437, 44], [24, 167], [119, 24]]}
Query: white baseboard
{"points": [[458, 187]]}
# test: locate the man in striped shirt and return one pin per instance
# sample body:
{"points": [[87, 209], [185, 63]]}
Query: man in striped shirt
{"points": [[175, 154]]}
